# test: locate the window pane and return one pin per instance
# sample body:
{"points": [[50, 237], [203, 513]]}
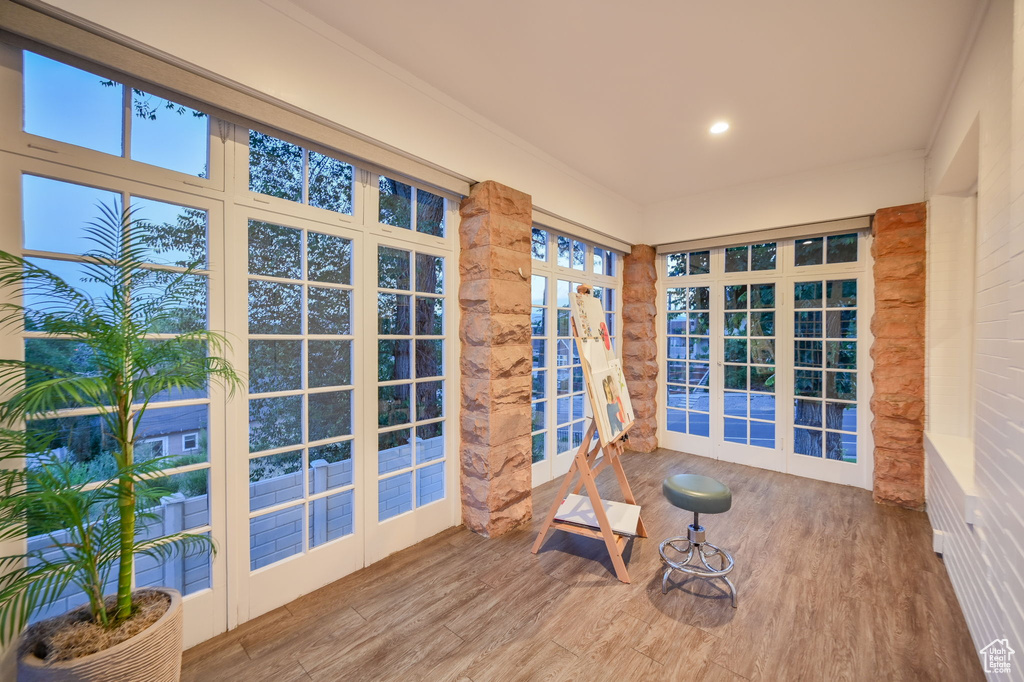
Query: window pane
{"points": [[842, 248], [429, 358], [430, 442], [329, 258], [736, 259], [274, 250], [579, 254], [539, 245], [275, 536], [169, 135], [807, 294], [393, 266], [275, 422], [539, 290], [676, 266], [330, 414], [842, 293], [393, 360], [274, 366], [337, 459], [429, 400], [394, 495], [393, 313], [275, 308], [394, 451], [429, 484], [329, 311], [330, 183], [275, 479], [429, 213], [176, 234], [809, 251], [55, 214], [330, 363], [429, 274], [564, 251], [700, 262], [395, 203], [70, 105], [429, 316], [331, 517], [762, 256], [393, 405], [539, 450], [275, 167]]}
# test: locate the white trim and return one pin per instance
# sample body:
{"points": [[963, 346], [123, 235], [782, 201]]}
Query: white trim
{"points": [[777, 234], [551, 221]]}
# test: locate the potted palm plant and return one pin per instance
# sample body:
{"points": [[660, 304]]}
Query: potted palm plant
{"points": [[95, 523]]}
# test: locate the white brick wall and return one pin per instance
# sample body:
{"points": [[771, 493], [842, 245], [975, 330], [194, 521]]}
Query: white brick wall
{"points": [[985, 560]]}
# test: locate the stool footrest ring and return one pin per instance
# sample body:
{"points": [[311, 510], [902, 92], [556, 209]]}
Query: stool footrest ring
{"points": [[702, 551]]}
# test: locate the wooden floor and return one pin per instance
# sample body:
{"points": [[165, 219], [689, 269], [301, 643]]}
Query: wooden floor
{"points": [[831, 587]]}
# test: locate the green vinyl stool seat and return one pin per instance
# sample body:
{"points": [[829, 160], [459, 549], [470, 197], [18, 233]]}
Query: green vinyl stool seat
{"points": [[699, 494], [691, 553]]}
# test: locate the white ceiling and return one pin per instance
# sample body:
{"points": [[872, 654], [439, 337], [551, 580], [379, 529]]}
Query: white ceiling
{"points": [[624, 92]]}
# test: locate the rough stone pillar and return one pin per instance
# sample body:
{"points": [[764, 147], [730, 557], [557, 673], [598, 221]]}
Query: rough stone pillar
{"points": [[899, 250], [496, 358], [639, 344]]}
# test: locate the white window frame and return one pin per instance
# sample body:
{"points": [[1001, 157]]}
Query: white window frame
{"points": [[784, 276], [225, 195], [556, 464]]}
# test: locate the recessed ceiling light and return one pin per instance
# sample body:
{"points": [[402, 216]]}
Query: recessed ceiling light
{"points": [[719, 128]]}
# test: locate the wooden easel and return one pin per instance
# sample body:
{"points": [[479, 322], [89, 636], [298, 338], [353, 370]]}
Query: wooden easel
{"points": [[583, 463]]}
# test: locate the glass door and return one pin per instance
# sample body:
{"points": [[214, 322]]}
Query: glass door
{"points": [[826, 362], [763, 350], [303, 499], [749, 387], [410, 487]]}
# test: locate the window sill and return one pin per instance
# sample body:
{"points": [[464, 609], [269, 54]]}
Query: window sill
{"points": [[955, 455]]}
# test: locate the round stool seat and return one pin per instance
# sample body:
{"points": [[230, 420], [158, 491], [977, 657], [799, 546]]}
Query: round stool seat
{"points": [[699, 494]]}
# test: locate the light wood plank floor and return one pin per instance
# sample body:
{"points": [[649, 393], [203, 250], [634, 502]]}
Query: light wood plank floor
{"points": [[831, 587]]}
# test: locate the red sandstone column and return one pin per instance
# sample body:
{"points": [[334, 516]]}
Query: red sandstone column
{"points": [[496, 358], [639, 344], [899, 250]]}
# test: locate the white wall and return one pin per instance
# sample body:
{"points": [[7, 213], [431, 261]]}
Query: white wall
{"points": [[985, 559], [843, 191], [280, 50]]}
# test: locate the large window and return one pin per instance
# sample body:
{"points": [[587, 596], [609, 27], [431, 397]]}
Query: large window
{"points": [[337, 451], [763, 343], [56, 219], [559, 400]]}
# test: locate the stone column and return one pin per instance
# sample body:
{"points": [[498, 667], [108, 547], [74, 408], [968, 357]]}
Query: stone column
{"points": [[494, 295], [639, 344], [898, 326]]}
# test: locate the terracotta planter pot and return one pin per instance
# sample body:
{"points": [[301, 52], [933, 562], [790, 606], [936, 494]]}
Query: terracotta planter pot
{"points": [[153, 655]]}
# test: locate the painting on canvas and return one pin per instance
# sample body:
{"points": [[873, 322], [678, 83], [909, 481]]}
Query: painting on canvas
{"points": [[606, 384]]}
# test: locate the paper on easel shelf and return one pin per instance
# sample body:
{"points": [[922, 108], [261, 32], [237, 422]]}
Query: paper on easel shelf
{"points": [[578, 510]]}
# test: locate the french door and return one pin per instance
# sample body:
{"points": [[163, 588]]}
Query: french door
{"points": [[764, 358], [305, 353], [349, 447], [410, 489]]}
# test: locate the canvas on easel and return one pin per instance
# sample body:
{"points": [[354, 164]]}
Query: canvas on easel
{"points": [[602, 371], [612, 417]]}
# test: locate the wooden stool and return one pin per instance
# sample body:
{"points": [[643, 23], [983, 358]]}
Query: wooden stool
{"points": [[701, 495]]}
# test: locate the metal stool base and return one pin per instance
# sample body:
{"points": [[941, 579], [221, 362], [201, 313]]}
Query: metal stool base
{"points": [[695, 548]]}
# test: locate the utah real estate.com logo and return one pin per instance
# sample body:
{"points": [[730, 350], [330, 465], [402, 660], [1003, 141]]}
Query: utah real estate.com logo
{"points": [[996, 656]]}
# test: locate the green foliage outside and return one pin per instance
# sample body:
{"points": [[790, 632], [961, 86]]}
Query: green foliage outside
{"points": [[96, 492]]}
